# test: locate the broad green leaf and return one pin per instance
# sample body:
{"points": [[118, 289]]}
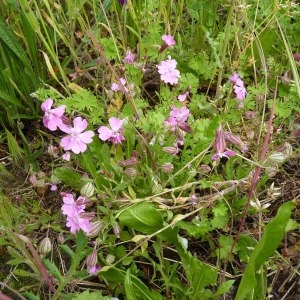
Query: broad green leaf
{"points": [[273, 234], [133, 285], [142, 217]]}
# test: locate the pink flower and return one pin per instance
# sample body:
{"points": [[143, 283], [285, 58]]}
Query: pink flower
{"points": [[239, 89], [169, 40], [220, 144], [116, 87], [182, 97], [178, 117], [114, 134], [79, 222], [76, 139], [129, 57], [66, 156], [53, 187], [233, 78], [70, 207], [94, 270], [52, 117], [168, 72]]}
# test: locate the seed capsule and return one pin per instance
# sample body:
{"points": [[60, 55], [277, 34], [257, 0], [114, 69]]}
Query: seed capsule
{"points": [[167, 167], [97, 227], [45, 246], [87, 190]]}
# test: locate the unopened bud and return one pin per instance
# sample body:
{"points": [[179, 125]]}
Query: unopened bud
{"points": [[276, 158], [235, 140], [117, 230], [45, 246], [110, 259], [157, 188], [97, 227], [87, 190], [219, 143], [131, 172], [170, 150], [54, 179], [132, 161], [203, 169], [167, 167], [92, 259]]}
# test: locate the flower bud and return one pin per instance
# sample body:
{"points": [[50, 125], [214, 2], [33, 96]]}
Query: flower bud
{"points": [[167, 167], [87, 190], [97, 227], [170, 150], [132, 161], [110, 258], [203, 169], [219, 143], [45, 246], [117, 230], [54, 179], [131, 172], [92, 259]]}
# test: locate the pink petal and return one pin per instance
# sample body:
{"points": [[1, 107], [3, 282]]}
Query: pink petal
{"points": [[65, 128], [86, 137], [66, 142], [78, 146], [59, 111], [115, 124], [104, 133], [47, 104], [53, 123], [80, 124]]}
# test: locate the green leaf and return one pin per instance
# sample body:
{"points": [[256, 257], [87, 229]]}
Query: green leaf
{"points": [[143, 217], [69, 177], [273, 234], [53, 269], [220, 215], [135, 288], [224, 287], [199, 274], [89, 295], [129, 290]]}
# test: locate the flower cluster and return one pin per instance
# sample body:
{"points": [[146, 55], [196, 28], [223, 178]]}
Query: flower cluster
{"points": [[76, 217], [239, 88], [77, 138]]}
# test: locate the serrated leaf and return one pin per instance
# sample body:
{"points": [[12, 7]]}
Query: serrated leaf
{"points": [[53, 269], [142, 217]]}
